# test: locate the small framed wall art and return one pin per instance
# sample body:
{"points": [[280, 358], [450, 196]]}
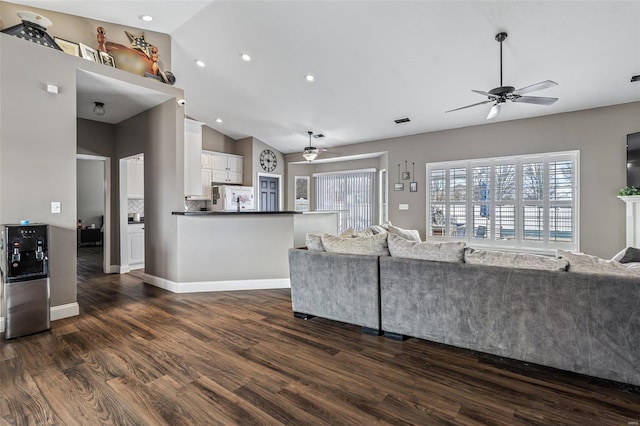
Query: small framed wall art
{"points": [[89, 53], [68, 46], [413, 187], [398, 187], [107, 59]]}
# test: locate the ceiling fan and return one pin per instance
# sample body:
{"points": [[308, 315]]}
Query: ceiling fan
{"points": [[311, 152], [502, 94]]}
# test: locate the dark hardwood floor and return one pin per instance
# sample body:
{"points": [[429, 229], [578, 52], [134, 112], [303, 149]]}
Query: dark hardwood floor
{"points": [[141, 355]]}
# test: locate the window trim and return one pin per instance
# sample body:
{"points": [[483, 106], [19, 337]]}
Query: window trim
{"points": [[545, 246]]}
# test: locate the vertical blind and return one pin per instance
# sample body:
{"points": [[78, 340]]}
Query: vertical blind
{"points": [[351, 193]]}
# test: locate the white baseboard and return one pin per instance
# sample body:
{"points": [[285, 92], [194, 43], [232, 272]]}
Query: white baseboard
{"points": [[56, 313], [203, 286], [65, 311]]}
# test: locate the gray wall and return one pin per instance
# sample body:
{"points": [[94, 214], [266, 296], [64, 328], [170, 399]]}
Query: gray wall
{"points": [[83, 30], [90, 192], [212, 140], [38, 146], [308, 169], [38, 152], [95, 138], [158, 133], [599, 134]]}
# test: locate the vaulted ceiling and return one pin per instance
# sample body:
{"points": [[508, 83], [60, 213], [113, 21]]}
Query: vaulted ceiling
{"points": [[377, 61]]}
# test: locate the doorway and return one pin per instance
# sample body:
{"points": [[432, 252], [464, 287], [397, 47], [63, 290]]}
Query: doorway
{"points": [[268, 193], [93, 210], [132, 239]]}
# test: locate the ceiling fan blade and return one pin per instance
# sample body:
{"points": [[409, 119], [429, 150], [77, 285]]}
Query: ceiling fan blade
{"points": [[495, 110], [538, 100], [480, 92], [469, 106], [538, 86]]}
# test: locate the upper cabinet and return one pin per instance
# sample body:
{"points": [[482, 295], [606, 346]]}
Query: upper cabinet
{"points": [[192, 158], [225, 168], [135, 177]]}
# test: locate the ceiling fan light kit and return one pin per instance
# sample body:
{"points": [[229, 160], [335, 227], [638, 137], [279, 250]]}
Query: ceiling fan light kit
{"points": [[500, 95], [310, 152]]}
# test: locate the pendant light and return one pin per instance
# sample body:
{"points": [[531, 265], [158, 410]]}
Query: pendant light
{"points": [[310, 152]]}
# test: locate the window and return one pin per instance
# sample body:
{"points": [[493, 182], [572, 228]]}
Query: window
{"points": [[527, 202], [352, 194]]}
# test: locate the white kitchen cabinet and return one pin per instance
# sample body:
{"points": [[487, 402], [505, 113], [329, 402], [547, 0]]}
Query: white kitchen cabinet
{"points": [[136, 245], [192, 158], [206, 178], [226, 168], [135, 177], [205, 160]]}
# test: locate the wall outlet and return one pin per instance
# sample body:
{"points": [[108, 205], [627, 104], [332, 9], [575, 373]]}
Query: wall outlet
{"points": [[403, 206], [56, 207]]}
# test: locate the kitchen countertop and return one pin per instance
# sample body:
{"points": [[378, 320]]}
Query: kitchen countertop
{"points": [[233, 213]]}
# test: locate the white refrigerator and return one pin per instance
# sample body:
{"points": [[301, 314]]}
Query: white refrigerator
{"points": [[231, 198]]}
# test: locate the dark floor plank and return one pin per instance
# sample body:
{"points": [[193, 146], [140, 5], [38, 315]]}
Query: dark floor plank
{"points": [[140, 355]]}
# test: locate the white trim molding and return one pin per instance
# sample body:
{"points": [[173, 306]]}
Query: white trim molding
{"points": [[56, 313], [65, 311], [205, 286]]}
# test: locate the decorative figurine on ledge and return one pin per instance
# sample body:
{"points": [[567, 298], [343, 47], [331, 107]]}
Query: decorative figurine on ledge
{"points": [[33, 28]]}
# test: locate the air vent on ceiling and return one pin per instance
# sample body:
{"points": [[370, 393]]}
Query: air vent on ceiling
{"points": [[402, 120], [635, 78], [318, 135]]}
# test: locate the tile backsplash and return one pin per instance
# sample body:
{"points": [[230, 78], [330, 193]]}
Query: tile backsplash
{"points": [[135, 206], [196, 205]]}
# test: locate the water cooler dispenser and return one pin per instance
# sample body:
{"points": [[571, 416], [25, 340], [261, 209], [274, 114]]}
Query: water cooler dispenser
{"points": [[25, 279]]}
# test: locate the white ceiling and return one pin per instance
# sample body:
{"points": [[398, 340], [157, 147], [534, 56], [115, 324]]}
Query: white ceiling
{"points": [[376, 61]]}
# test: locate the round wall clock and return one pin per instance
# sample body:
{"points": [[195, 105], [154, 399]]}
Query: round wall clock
{"points": [[268, 160]]}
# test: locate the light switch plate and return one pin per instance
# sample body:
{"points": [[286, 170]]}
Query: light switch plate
{"points": [[403, 206], [56, 207]]}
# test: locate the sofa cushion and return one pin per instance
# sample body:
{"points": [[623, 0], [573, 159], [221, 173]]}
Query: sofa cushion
{"points": [[314, 242], [514, 260], [587, 264], [628, 255], [351, 233], [374, 245], [450, 251], [407, 234]]}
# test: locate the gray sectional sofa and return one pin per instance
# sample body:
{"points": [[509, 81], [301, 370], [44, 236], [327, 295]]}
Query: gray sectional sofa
{"points": [[341, 287], [585, 323]]}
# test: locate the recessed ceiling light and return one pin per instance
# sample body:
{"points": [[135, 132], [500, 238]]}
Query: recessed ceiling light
{"points": [[200, 63], [218, 120], [245, 57], [309, 77], [146, 18]]}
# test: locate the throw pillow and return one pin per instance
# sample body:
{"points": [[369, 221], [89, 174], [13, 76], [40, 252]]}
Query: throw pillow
{"points": [[514, 260], [377, 229], [407, 234], [314, 242], [348, 233], [450, 251], [628, 255], [588, 264], [374, 245]]}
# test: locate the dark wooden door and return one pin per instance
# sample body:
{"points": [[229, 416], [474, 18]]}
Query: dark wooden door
{"points": [[269, 194]]}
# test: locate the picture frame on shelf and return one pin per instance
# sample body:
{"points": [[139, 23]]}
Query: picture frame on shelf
{"points": [[67, 46], [398, 187], [89, 53], [413, 187], [107, 59]]}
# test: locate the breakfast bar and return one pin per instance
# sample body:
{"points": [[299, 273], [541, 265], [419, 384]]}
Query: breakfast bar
{"points": [[220, 251]]}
